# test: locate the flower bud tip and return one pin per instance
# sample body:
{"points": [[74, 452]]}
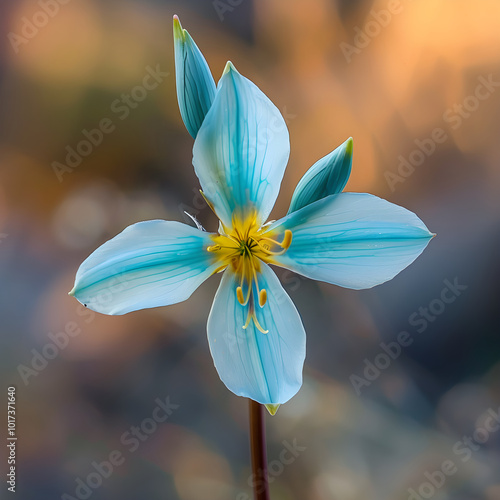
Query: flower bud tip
{"points": [[272, 409]]}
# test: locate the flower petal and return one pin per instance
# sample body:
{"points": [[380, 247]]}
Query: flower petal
{"points": [[265, 367], [353, 240], [149, 264], [327, 176], [241, 150], [195, 83]]}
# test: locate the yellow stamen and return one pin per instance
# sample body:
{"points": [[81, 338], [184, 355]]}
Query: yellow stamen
{"points": [[243, 247], [239, 295], [257, 324], [219, 269], [209, 203], [262, 297], [242, 282], [249, 318], [287, 240], [266, 251], [253, 317]]}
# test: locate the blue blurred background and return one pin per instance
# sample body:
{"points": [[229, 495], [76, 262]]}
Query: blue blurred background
{"points": [[400, 380]]}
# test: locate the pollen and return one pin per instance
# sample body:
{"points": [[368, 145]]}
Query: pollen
{"points": [[239, 295], [242, 248], [287, 240], [262, 297]]}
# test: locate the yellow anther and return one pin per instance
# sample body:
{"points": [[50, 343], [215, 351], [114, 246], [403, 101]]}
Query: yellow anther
{"points": [[239, 295], [287, 240], [213, 248], [262, 297]]}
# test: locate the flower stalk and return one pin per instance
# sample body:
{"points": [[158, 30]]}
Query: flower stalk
{"points": [[258, 451]]}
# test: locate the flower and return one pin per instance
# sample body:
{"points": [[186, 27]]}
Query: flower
{"points": [[241, 149]]}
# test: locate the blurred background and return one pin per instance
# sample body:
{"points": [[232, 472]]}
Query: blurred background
{"points": [[417, 85]]}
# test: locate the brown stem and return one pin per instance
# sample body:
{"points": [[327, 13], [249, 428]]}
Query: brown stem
{"points": [[258, 450]]}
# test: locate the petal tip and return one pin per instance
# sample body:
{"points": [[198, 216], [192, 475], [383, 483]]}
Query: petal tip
{"points": [[178, 31], [272, 409], [72, 292], [349, 146], [229, 68]]}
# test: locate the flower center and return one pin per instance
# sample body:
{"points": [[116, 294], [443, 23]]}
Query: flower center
{"points": [[243, 247]]}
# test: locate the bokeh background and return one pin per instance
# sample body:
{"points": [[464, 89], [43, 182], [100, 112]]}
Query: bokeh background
{"points": [[335, 69]]}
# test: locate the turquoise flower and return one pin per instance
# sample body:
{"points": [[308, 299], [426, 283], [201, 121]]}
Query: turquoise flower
{"points": [[241, 149]]}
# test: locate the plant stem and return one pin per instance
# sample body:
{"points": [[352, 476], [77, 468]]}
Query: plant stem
{"points": [[258, 450]]}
